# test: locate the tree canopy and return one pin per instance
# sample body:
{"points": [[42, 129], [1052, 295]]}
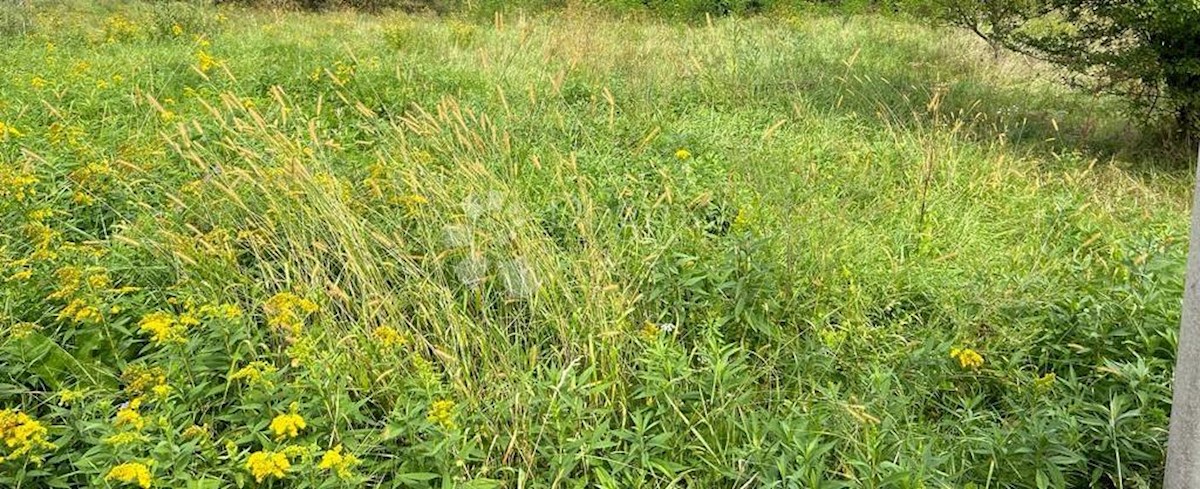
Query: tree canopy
{"points": [[1145, 50]]}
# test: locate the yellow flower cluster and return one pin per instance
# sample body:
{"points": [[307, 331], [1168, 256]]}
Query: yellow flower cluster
{"points": [[22, 435], [23, 330], [389, 337], [205, 62], [20, 275], [7, 130], [412, 202], [90, 179], [161, 391], [288, 425], [72, 279], [682, 154], [140, 379], [118, 28], [442, 413], [255, 373], [221, 311], [81, 312], [67, 397], [129, 415], [967, 358], [163, 328], [287, 311], [130, 473], [338, 462], [265, 463], [16, 184]]}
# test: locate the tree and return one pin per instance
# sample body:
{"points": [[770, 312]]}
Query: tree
{"points": [[1145, 50]]}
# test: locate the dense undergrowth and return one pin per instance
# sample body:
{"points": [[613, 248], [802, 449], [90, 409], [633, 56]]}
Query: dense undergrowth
{"points": [[297, 250]]}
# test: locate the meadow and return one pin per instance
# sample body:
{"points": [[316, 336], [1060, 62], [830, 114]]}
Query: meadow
{"points": [[571, 248]]}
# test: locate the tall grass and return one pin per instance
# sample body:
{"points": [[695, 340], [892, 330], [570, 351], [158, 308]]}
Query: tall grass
{"points": [[630, 253]]}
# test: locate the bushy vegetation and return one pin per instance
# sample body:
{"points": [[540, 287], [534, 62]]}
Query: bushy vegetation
{"points": [[247, 248], [1144, 51]]}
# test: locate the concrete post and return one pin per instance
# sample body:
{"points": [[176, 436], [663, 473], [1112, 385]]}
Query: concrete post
{"points": [[1183, 446]]}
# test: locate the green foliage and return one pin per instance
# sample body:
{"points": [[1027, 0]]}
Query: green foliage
{"points": [[570, 250], [1142, 50]]}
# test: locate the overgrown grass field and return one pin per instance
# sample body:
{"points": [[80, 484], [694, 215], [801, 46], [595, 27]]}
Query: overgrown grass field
{"points": [[571, 249]]}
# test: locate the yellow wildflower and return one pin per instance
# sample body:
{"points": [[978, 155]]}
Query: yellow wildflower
{"points": [[99, 281], [254, 373], [40, 214], [341, 464], [20, 276], [130, 473], [176, 30], [967, 358], [37, 82], [69, 280], [140, 379], [22, 435], [288, 425], [67, 397], [389, 337], [80, 311], [265, 463], [163, 327], [413, 202], [682, 154], [204, 61], [8, 130], [162, 391], [22, 330], [129, 415], [82, 198], [287, 311], [221, 311], [16, 184], [442, 413], [187, 319]]}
